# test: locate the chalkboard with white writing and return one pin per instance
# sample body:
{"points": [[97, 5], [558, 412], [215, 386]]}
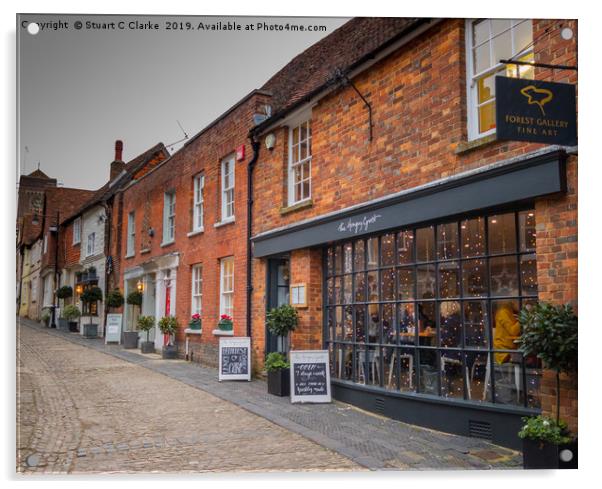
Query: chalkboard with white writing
{"points": [[310, 376], [234, 359]]}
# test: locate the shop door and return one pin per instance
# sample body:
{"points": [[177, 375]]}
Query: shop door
{"points": [[278, 294]]}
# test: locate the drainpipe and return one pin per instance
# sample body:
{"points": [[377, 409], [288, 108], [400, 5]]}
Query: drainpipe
{"points": [[255, 145]]}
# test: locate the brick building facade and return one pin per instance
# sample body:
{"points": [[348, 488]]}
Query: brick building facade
{"points": [[429, 137]]}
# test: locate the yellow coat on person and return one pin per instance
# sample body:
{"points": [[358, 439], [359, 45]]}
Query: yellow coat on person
{"points": [[507, 329]]}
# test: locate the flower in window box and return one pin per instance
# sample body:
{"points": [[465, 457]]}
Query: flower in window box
{"points": [[225, 323], [195, 322]]}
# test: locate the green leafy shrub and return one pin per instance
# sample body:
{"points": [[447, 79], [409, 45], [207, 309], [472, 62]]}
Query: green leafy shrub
{"points": [[276, 361], [282, 320], [168, 325], [71, 312], [115, 299], [146, 323], [64, 292], [542, 428], [91, 294], [135, 298]]}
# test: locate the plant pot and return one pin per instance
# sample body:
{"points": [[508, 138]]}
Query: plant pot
{"points": [[130, 340], [543, 455], [225, 325], [279, 382], [90, 330], [73, 327], [194, 326], [63, 324], [147, 347], [169, 352]]}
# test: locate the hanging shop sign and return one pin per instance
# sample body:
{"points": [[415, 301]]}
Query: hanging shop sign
{"points": [[113, 334], [536, 111], [234, 359], [310, 376]]}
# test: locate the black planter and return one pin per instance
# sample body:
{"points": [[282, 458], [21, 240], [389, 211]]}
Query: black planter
{"points": [[543, 455], [130, 340], [63, 324], [169, 352], [147, 347], [73, 326], [279, 382], [90, 330]]}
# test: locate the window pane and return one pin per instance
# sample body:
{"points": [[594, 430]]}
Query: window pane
{"points": [[523, 35], [487, 117], [372, 245], [473, 237], [387, 249], [387, 284], [372, 286], [347, 289], [425, 244], [502, 47], [407, 323], [388, 323], [360, 287], [429, 373], [526, 230], [405, 247], [481, 31], [359, 261], [373, 319], [482, 59], [447, 241], [528, 274], [306, 190], [479, 384], [450, 322], [507, 389], [476, 324], [343, 358], [427, 324], [474, 278], [405, 283], [452, 374], [347, 257], [506, 329], [407, 364], [449, 279], [360, 324], [347, 323], [426, 281], [499, 25], [338, 260], [502, 234], [504, 280], [295, 136], [390, 368], [330, 290]]}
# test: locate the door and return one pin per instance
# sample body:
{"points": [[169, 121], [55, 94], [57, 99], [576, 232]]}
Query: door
{"points": [[278, 294]]}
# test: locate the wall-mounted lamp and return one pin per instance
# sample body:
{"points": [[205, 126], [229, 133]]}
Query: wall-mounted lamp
{"points": [[270, 141], [151, 232], [139, 286], [79, 289]]}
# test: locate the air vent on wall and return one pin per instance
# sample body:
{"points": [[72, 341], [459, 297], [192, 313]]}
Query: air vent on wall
{"points": [[379, 405], [479, 429]]}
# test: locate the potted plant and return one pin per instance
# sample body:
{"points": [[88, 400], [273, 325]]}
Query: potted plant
{"points": [[168, 325], [225, 323], [71, 313], [46, 318], [278, 374], [115, 299], [146, 323], [195, 322], [89, 296], [280, 322], [550, 333], [63, 293], [130, 338]]}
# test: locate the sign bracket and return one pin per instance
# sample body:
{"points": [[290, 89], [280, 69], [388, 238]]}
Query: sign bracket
{"points": [[538, 65]]}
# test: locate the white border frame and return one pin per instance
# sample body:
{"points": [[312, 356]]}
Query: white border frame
{"points": [[310, 356], [240, 342]]}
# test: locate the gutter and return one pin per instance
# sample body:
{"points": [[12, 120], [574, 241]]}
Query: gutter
{"points": [[255, 145]]}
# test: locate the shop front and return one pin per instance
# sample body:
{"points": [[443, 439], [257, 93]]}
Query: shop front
{"points": [[420, 293]]}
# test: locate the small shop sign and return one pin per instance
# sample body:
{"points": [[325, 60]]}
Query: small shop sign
{"points": [[234, 359], [535, 111], [113, 334], [310, 376]]}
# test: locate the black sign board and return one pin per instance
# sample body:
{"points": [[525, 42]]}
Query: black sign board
{"points": [[310, 376], [536, 111], [235, 359]]}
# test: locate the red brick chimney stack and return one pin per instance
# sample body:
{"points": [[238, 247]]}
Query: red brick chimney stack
{"points": [[118, 165]]}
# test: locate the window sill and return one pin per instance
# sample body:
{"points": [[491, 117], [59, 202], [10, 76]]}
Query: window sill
{"points": [[224, 223], [466, 146], [131, 255], [167, 243], [193, 331], [196, 232], [145, 251], [296, 207], [219, 332]]}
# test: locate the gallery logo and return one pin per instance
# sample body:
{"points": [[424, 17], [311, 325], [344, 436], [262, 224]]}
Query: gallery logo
{"points": [[537, 96]]}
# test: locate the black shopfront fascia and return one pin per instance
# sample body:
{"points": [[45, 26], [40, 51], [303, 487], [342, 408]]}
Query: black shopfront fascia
{"points": [[509, 186]]}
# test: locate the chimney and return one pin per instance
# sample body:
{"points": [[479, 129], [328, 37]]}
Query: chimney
{"points": [[118, 165]]}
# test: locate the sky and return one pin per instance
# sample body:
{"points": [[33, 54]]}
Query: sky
{"points": [[80, 90]]}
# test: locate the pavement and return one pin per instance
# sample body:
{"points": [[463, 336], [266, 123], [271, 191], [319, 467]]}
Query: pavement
{"points": [[87, 407]]}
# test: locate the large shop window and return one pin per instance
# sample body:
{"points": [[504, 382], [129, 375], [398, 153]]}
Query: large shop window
{"points": [[489, 41], [433, 310]]}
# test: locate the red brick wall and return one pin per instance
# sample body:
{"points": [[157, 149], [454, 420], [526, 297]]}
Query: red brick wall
{"points": [[70, 252], [204, 154], [418, 97]]}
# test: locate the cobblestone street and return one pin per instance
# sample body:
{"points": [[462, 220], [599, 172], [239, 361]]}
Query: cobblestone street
{"points": [[85, 407]]}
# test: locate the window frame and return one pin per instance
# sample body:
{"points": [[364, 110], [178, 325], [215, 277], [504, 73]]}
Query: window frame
{"points": [[198, 203], [77, 226], [472, 78], [223, 292], [131, 234], [93, 236], [169, 216], [291, 183], [226, 192], [196, 289], [45, 244]]}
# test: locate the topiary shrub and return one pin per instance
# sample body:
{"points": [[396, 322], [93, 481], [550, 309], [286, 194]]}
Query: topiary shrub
{"points": [[71, 312], [282, 320], [64, 292], [135, 298], [168, 325], [115, 299], [146, 323]]}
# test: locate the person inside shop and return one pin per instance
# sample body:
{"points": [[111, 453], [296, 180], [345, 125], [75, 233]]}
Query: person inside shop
{"points": [[507, 331]]}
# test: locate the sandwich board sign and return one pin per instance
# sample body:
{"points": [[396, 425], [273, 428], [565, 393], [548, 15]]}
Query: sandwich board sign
{"points": [[234, 359], [113, 328], [310, 376]]}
